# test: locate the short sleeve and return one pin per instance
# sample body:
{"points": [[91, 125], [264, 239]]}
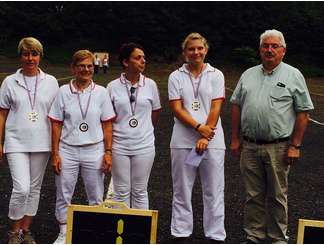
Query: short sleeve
{"points": [[301, 96], [5, 96], [57, 109], [218, 86], [156, 102], [107, 110], [173, 88], [236, 97]]}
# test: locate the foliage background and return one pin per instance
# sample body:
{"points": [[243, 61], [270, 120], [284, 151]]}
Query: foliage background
{"points": [[232, 28]]}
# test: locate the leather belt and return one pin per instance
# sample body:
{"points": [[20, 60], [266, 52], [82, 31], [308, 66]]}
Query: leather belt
{"points": [[264, 142]]}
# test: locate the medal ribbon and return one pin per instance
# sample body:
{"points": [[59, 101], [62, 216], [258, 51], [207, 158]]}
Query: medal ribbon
{"points": [[195, 91], [84, 114], [32, 103]]}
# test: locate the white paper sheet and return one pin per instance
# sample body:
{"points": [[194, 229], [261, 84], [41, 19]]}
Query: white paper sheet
{"points": [[193, 158]]}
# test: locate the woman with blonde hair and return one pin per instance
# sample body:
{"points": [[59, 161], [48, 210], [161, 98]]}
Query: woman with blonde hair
{"points": [[81, 117], [196, 93], [25, 100]]}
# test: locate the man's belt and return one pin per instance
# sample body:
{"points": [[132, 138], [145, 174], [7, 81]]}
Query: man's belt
{"points": [[264, 142]]}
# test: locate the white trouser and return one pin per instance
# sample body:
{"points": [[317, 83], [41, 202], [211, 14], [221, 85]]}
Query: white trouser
{"points": [[131, 175], [89, 159], [211, 170], [27, 171]]}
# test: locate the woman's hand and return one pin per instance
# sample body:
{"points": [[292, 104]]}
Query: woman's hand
{"points": [[206, 131], [201, 145], [56, 163], [106, 162]]}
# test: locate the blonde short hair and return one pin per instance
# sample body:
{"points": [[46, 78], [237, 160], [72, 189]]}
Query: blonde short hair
{"points": [[30, 43], [194, 36], [82, 55]]}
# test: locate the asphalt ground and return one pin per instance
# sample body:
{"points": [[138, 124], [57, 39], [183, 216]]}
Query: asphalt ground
{"points": [[306, 192]]}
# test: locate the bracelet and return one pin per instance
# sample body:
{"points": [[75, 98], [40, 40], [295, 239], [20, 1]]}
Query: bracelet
{"points": [[197, 127], [295, 146], [108, 150]]}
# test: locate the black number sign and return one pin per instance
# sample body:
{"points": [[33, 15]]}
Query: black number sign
{"points": [[101, 225]]}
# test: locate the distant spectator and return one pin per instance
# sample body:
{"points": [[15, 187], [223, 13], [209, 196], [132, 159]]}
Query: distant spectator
{"points": [[96, 64], [270, 107], [25, 100], [105, 63]]}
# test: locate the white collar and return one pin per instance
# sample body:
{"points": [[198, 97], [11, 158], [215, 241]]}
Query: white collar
{"points": [[140, 83]]}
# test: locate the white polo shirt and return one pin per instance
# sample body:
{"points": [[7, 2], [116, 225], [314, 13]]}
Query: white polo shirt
{"points": [[211, 88], [66, 109], [126, 139], [22, 134]]}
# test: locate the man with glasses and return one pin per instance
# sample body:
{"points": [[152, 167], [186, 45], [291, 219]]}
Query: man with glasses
{"points": [[270, 107]]}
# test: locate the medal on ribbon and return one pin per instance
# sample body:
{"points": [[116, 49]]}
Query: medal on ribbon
{"points": [[84, 127], [133, 122], [33, 115], [195, 105]]}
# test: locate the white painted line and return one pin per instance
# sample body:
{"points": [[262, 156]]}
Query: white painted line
{"points": [[64, 78], [316, 122], [321, 95]]}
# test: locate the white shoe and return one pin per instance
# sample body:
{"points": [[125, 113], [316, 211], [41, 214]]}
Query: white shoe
{"points": [[60, 239]]}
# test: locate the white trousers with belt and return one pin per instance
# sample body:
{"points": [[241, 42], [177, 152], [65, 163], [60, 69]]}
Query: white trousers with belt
{"points": [[89, 160], [211, 170], [27, 171], [130, 178]]}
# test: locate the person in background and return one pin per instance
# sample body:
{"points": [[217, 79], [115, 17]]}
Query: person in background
{"points": [[136, 101], [105, 63], [196, 93], [25, 100], [81, 118], [270, 107], [96, 64]]}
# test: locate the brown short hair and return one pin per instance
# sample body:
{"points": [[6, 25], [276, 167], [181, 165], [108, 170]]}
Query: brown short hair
{"points": [[82, 55]]}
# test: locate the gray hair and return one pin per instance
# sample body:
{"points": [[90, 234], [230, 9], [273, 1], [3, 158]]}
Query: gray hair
{"points": [[273, 33]]}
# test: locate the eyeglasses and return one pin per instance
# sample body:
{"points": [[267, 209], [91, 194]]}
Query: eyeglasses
{"points": [[83, 67], [271, 45], [132, 96]]}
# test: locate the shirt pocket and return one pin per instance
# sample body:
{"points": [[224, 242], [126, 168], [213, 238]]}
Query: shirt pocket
{"points": [[278, 94]]}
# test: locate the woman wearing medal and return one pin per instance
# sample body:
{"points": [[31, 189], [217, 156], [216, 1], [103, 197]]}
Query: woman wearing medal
{"points": [[136, 101], [196, 92], [81, 117], [25, 100]]}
